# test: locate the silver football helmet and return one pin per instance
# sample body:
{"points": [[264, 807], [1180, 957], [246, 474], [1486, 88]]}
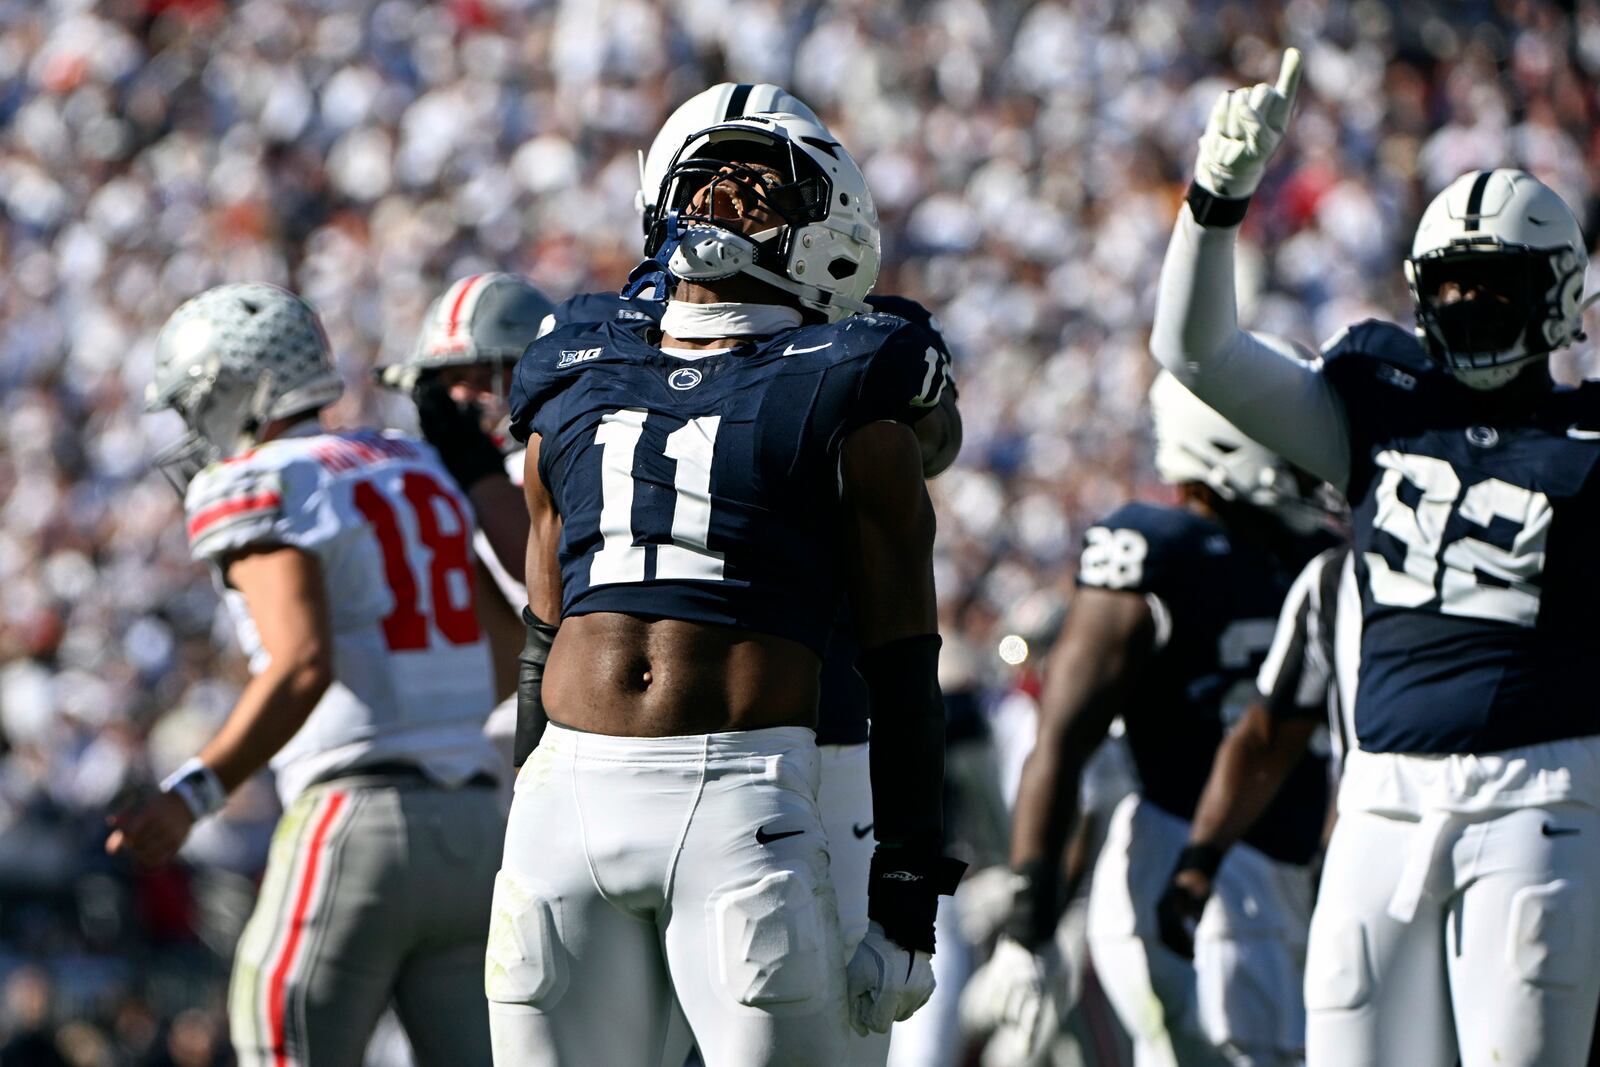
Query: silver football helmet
{"points": [[482, 318], [1496, 276], [1195, 444], [232, 360]]}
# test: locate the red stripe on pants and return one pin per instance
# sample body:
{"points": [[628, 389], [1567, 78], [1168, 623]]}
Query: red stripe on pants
{"points": [[297, 918]]}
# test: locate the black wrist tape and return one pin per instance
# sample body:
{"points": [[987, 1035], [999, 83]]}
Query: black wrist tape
{"points": [[1215, 212], [903, 892]]}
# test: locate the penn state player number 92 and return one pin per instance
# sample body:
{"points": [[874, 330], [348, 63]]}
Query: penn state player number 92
{"points": [[1470, 576]]}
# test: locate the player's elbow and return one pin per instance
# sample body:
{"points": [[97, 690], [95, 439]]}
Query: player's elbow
{"points": [[307, 667]]}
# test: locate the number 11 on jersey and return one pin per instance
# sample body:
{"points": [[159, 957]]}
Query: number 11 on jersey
{"points": [[687, 557]]}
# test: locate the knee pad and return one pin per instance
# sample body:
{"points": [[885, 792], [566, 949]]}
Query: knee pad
{"points": [[773, 947], [1549, 938], [525, 962], [1338, 963]]}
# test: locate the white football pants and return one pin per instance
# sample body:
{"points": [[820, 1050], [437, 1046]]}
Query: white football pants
{"points": [[1498, 961], [1238, 1003], [639, 870]]}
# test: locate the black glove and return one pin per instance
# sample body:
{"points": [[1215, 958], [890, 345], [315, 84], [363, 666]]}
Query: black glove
{"points": [[455, 432], [531, 719], [1036, 908], [1180, 907], [903, 891]]}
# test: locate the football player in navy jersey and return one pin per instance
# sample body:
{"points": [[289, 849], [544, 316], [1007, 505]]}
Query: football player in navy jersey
{"points": [[845, 797], [701, 497], [1173, 615], [1457, 915]]}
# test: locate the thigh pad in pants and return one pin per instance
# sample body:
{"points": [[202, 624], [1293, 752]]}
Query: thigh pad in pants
{"points": [[770, 943], [525, 962]]}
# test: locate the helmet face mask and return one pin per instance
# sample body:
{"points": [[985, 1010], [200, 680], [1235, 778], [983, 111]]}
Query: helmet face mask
{"points": [[1496, 276], [773, 197], [720, 103]]}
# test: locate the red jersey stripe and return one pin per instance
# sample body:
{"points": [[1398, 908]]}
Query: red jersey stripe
{"points": [[238, 505]]}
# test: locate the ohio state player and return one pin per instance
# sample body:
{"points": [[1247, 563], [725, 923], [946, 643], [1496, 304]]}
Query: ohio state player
{"points": [[346, 560]]}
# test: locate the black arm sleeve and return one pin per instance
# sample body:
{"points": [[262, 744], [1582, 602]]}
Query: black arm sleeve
{"points": [[535, 653], [909, 870]]}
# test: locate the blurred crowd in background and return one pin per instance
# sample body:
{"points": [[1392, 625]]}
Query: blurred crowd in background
{"points": [[1027, 158]]}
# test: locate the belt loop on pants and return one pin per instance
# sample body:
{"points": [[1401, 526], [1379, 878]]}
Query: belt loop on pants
{"points": [[1421, 855]]}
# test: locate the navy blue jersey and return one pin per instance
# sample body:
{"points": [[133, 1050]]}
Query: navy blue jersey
{"points": [[1474, 540], [607, 307], [1215, 597], [844, 710], [708, 489]]}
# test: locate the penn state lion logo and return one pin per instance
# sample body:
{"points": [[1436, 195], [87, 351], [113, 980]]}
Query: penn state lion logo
{"points": [[684, 378]]}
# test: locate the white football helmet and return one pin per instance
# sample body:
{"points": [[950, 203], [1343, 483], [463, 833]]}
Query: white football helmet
{"points": [[826, 249], [232, 360], [482, 318], [719, 103], [1496, 275], [1195, 444]]}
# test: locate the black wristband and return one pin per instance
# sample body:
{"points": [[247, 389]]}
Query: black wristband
{"points": [[1215, 212], [1200, 857], [903, 891], [531, 719]]}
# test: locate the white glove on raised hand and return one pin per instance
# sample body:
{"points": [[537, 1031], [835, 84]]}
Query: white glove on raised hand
{"points": [[1008, 997], [887, 982], [1245, 128]]}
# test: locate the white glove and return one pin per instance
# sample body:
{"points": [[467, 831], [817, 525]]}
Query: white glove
{"points": [[985, 900], [1008, 997], [887, 982], [1245, 128]]}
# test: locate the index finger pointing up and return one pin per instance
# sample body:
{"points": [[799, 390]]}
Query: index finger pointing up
{"points": [[1289, 74]]}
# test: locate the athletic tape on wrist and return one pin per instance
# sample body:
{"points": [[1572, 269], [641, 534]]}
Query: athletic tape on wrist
{"points": [[1213, 211], [198, 787]]}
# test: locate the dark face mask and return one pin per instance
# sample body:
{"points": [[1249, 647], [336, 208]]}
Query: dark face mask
{"points": [[1492, 303]]}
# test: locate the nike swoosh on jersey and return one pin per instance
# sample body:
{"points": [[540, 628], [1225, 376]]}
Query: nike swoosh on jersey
{"points": [[1557, 831], [763, 838], [1579, 434], [791, 350], [861, 831]]}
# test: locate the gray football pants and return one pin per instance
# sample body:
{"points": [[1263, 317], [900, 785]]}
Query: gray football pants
{"points": [[373, 892]]}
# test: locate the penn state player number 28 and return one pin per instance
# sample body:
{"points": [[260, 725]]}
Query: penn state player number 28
{"points": [[1510, 594], [687, 558]]}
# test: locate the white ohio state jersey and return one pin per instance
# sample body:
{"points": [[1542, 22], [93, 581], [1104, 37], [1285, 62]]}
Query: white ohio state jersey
{"points": [[412, 678]]}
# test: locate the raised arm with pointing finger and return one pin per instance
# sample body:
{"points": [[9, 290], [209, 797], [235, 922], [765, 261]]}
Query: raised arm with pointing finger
{"points": [[1263, 385]]}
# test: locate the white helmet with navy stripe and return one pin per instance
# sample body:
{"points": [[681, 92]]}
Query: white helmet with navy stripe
{"points": [[231, 361], [1496, 275], [1196, 444], [482, 318], [721, 102]]}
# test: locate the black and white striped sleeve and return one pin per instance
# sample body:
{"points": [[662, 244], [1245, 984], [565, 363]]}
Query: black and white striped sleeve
{"points": [[1299, 669]]}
